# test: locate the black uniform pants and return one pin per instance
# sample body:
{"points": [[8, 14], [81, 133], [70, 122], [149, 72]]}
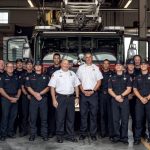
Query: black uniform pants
{"points": [[9, 114], [42, 107], [65, 113], [106, 121], [120, 119], [25, 114], [51, 117], [140, 111], [89, 104], [132, 104]]}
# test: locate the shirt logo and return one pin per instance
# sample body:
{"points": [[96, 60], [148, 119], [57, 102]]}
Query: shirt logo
{"points": [[148, 78], [44, 78], [124, 78], [27, 78]]}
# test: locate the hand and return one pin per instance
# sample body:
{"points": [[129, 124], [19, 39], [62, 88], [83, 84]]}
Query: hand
{"points": [[13, 99], [144, 100], [88, 93], [55, 103], [119, 98], [148, 97], [29, 96], [76, 101], [38, 96]]}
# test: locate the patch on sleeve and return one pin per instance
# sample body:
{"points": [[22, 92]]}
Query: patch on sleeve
{"points": [[0, 78]]}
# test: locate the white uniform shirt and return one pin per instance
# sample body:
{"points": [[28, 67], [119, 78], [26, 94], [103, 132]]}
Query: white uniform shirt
{"points": [[64, 82], [89, 75]]}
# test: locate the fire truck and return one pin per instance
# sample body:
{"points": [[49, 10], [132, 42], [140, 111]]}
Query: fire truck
{"points": [[78, 29]]}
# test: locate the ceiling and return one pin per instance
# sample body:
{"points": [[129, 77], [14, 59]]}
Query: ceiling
{"points": [[56, 3]]}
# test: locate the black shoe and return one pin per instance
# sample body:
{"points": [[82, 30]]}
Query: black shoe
{"points": [[23, 134], [94, 138], [12, 136], [137, 142], [145, 136], [51, 135], [71, 139], [45, 138], [124, 141], [59, 139], [115, 140], [3, 138], [82, 137], [32, 138]]}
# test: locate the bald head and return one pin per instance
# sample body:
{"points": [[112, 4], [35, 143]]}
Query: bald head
{"points": [[2, 65], [65, 65]]}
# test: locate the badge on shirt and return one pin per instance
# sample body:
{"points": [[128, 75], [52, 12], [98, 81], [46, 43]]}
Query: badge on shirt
{"points": [[70, 74], [44, 78], [0, 78], [124, 78], [148, 78]]}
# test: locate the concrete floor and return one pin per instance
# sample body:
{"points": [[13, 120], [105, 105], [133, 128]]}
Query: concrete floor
{"points": [[87, 144], [101, 144]]}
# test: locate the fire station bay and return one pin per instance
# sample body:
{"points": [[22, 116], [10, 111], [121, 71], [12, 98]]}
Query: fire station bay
{"points": [[74, 75]]}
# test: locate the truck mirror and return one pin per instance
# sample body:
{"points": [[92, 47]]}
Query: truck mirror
{"points": [[26, 52], [132, 51]]}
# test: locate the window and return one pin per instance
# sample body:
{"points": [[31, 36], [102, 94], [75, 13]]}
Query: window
{"points": [[3, 17]]}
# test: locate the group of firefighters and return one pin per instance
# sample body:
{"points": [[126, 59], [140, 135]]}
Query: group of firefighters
{"points": [[34, 100]]}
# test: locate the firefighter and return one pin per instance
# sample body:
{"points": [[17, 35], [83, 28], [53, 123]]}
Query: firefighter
{"points": [[37, 85], [106, 128], [63, 85], [141, 88], [19, 71], [26, 97], [90, 77], [10, 91], [137, 62], [2, 66], [51, 108], [131, 97], [119, 86]]}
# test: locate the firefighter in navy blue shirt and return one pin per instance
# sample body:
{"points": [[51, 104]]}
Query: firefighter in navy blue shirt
{"points": [[119, 86], [137, 61], [131, 97], [2, 66], [19, 71], [37, 85], [26, 97], [137, 70], [106, 128], [51, 109], [10, 91], [141, 88]]}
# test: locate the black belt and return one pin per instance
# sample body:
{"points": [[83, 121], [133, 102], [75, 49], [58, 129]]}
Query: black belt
{"points": [[88, 90], [65, 95]]}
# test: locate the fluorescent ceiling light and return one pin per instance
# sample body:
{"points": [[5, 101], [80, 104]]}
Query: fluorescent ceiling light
{"points": [[30, 3], [128, 3]]}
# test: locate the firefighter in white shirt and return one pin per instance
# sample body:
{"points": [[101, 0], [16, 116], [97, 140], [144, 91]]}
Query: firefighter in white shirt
{"points": [[90, 77], [65, 93]]}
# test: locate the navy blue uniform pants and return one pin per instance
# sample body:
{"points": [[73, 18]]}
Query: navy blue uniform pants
{"points": [[9, 114], [89, 104], [65, 113], [120, 119], [42, 108]]}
